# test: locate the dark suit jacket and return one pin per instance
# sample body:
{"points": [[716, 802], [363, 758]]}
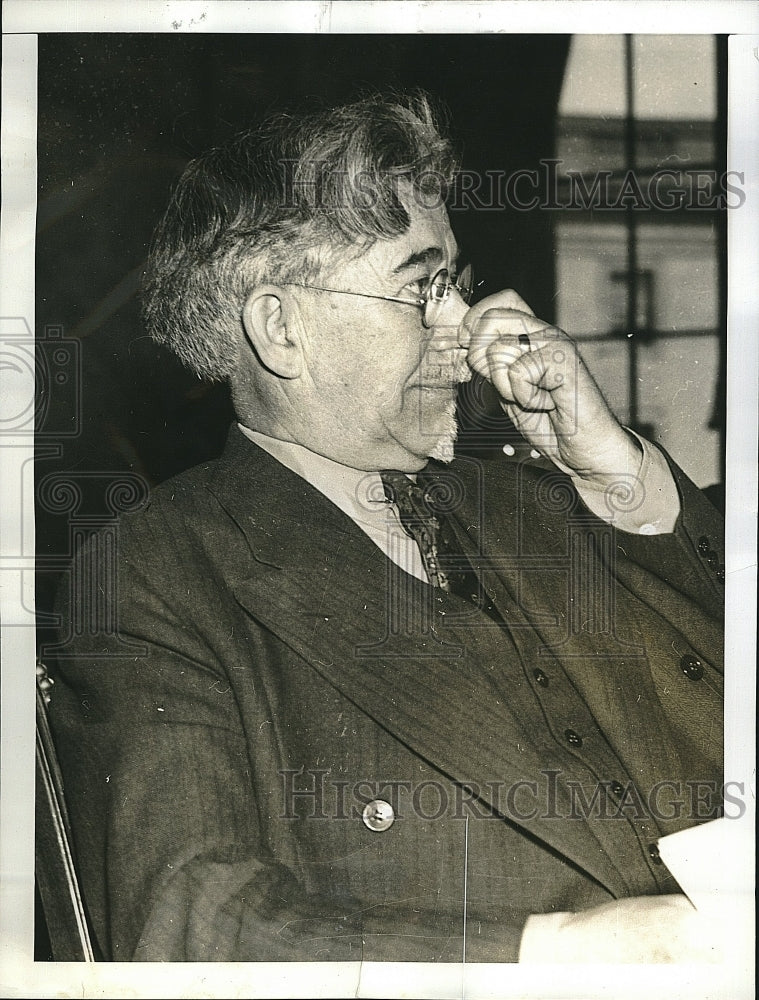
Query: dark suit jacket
{"points": [[268, 680]]}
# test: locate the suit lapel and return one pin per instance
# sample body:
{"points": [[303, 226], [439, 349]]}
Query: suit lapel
{"points": [[329, 594]]}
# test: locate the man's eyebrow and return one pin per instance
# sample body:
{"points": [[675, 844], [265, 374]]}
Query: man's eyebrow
{"points": [[426, 256]]}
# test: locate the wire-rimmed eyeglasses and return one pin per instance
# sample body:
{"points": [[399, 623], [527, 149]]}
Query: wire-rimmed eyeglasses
{"points": [[433, 300]]}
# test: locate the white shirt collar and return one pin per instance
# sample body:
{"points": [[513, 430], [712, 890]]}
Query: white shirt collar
{"points": [[357, 493]]}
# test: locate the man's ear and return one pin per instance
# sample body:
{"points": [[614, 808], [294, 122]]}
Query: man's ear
{"points": [[272, 328]]}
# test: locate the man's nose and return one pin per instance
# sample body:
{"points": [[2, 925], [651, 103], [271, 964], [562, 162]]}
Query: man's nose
{"points": [[449, 326]]}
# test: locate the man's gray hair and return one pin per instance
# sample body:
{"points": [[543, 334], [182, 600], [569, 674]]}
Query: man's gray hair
{"points": [[284, 203]]}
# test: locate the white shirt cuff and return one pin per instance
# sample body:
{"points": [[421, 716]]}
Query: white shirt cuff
{"points": [[642, 503], [540, 942]]}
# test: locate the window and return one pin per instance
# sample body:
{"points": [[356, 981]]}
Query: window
{"points": [[640, 246]]}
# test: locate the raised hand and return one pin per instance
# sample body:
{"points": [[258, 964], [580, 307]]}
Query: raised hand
{"points": [[547, 391]]}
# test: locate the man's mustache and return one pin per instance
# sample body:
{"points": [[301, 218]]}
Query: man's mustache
{"points": [[445, 373]]}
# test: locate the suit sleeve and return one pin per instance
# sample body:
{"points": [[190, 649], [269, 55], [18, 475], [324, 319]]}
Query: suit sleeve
{"points": [[684, 566], [690, 559], [155, 757]]}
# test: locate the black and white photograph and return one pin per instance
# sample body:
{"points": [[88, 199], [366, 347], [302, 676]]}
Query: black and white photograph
{"points": [[379, 498]]}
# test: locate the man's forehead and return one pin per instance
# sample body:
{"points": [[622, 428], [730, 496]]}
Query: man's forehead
{"points": [[429, 220], [428, 240]]}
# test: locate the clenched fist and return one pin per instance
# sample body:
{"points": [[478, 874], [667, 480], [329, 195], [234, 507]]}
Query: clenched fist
{"points": [[548, 393]]}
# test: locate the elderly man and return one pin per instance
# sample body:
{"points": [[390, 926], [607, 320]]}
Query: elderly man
{"points": [[380, 704]]}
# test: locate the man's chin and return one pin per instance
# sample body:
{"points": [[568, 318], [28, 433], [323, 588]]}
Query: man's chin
{"points": [[444, 446], [443, 451]]}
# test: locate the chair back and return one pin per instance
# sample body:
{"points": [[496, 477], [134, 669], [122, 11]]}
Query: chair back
{"points": [[55, 869]]}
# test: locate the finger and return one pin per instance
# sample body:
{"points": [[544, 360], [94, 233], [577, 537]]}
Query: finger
{"points": [[508, 323], [489, 355], [517, 373], [505, 301], [502, 337], [527, 384], [508, 299]]}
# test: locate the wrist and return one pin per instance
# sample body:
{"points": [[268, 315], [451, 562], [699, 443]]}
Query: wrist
{"points": [[616, 467]]}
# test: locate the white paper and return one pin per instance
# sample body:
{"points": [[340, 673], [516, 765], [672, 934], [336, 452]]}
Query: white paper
{"points": [[709, 860], [714, 865]]}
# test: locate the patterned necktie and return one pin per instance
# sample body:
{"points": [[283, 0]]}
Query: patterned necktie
{"points": [[444, 560], [418, 521]]}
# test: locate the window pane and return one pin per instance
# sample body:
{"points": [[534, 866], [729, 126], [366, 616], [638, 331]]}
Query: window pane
{"points": [[594, 83], [650, 337], [674, 76]]}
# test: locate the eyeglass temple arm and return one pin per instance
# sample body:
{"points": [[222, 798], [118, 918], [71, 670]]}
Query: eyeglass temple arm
{"points": [[365, 295]]}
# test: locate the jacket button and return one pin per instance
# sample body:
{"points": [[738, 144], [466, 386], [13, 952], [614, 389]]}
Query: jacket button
{"points": [[720, 573], [540, 678], [653, 853], [692, 667], [616, 788], [703, 545], [711, 560], [378, 815], [573, 739]]}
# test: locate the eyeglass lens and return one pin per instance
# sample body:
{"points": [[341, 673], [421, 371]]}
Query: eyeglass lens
{"points": [[440, 288]]}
